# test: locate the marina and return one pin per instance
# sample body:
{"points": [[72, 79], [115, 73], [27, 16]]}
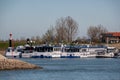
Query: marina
{"points": [[59, 40], [84, 51]]}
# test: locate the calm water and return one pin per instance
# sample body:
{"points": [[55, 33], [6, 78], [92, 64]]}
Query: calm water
{"points": [[68, 69]]}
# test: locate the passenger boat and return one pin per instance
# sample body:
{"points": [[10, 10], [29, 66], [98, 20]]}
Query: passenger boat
{"points": [[70, 52], [108, 53], [12, 52], [65, 52], [57, 51], [117, 54], [45, 51], [27, 52], [42, 52]]}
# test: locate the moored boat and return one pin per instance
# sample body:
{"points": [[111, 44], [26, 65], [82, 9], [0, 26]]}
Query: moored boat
{"points": [[108, 53], [27, 52], [42, 52], [12, 52]]}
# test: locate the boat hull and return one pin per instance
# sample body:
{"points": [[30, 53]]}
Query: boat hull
{"points": [[12, 54]]}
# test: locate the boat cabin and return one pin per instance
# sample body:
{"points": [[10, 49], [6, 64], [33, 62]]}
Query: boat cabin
{"points": [[44, 49], [71, 49]]}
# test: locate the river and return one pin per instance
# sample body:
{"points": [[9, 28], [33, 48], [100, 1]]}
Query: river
{"points": [[67, 69]]}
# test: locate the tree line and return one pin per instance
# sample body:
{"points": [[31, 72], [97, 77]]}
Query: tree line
{"points": [[65, 31]]}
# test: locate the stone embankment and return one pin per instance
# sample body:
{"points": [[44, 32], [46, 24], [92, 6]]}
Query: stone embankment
{"points": [[11, 64]]}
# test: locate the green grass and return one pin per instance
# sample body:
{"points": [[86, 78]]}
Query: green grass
{"points": [[5, 44]]}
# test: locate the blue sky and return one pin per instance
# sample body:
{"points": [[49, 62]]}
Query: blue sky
{"points": [[26, 18]]}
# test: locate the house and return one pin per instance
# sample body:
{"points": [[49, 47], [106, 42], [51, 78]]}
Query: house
{"points": [[110, 37]]}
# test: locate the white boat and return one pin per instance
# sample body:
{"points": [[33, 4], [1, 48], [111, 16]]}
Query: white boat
{"points": [[108, 53], [70, 52], [27, 52], [11, 52], [87, 52], [42, 52], [56, 53], [41, 55], [67, 52]]}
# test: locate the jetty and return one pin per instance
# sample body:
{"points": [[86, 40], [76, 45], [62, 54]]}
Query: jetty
{"points": [[13, 64]]}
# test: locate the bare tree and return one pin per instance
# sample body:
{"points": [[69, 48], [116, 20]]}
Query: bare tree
{"points": [[60, 30], [71, 28], [49, 35], [38, 38], [66, 29], [94, 32], [33, 38]]}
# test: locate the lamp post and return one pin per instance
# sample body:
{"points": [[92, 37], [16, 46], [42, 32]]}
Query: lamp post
{"points": [[10, 40]]}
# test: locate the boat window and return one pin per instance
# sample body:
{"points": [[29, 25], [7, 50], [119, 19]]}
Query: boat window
{"points": [[39, 49], [110, 50], [10, 50], [29, 48], [28, 51], [57, 49], [44, 49], [71, 50], [84, 50]]}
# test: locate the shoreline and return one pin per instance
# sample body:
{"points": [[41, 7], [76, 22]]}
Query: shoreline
{"points": [[15, 64]]}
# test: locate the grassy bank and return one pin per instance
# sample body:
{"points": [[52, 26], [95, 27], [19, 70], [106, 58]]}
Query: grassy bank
{"points": [[5, 44]]}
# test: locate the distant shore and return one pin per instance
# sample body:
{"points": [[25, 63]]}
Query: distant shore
{"points": [[116, 45], [13, 64]]}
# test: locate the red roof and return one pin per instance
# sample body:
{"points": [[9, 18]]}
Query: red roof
{"points": [[114, 33]]}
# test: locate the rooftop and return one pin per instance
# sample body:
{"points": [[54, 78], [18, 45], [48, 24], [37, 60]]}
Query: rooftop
{"points": [[116, 34]]}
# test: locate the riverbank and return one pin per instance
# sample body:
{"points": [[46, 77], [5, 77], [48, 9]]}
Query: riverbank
{"points": [[13, 64], [116, 45], [2, 52]]}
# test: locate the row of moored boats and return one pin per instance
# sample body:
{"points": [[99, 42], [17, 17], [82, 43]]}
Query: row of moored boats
{"points": [[45, 51]]}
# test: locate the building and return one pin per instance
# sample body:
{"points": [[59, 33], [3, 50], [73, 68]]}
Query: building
{"points": [[111, 37]]}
